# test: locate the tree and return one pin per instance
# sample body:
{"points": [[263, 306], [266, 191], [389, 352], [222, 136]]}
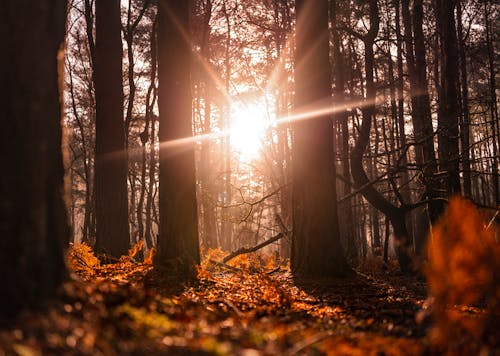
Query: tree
{"points": [[448, 121], [316, 248], [341, 116], [396, 215], [33, 221], [493, 106], [420, 109], [464, 101], [111, 201], [178, 236]]}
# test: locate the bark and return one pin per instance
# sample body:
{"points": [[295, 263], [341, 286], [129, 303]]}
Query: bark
{"points": [[33, 219], [465, 112], [150, 102], [178, 245], [245, 250], [111, 166], [495, 124], [207, 187], [316, 247], [226, 224], [448, 105], [89, 30], [397, 115], [420, 112]]}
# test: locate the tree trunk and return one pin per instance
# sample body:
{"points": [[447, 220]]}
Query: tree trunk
{"points": [[150, 103], [316, 248], [110, 177], [226, 223], [465, 115], [33, 222], [495, 124], [178, 245], [448, 136], [421, 113]]}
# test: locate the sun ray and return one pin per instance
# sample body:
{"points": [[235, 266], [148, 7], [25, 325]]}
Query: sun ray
{"points": [[180, 145], [247, 129]]}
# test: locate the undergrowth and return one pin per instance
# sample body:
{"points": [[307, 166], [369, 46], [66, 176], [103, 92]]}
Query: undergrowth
{"points": [[463, 275]]}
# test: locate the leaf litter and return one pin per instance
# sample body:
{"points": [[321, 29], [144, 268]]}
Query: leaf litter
{"points": [[251, 306]]}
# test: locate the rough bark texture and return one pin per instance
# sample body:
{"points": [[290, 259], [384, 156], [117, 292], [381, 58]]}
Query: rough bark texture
{"points": [[316, 248], [178, 238], [111, 200], [33, 221]]}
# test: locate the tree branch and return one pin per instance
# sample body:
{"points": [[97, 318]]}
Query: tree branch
{"points": [[245, 250]]}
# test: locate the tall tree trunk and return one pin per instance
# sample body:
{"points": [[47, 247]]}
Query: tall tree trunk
{"points": [[207, 193], [207, 187], [495, 124], [226, 224], [448, 136], [150, 103], [435, 207], [33, 220], [420, 112], [397, 113], [316, 247], [178, 245], [465, 112], [111, 163], [89, 29]]}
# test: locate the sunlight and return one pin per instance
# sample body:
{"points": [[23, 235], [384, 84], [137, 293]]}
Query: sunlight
{"points": [[248, 126]]}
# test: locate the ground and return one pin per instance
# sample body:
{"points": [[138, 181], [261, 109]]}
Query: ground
{"points": [[252, 308]]}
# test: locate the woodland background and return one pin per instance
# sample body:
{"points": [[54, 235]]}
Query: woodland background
{"points": [[378, 113]]}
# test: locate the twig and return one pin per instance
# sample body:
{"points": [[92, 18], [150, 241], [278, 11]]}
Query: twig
{"points": [[490, 224], [224, 265], [244, 250], [277, 269], [363, 187]]}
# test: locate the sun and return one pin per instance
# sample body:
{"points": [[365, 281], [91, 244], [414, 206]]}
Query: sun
{"points": [[247, 130]]}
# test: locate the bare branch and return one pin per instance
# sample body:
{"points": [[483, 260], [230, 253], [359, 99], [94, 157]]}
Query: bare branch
{"points": [[245, 250]]}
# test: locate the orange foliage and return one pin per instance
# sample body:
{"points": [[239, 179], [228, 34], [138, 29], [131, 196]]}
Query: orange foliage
{"points": [[81, 259], [134, 250], [464, 270], [148, 260]]}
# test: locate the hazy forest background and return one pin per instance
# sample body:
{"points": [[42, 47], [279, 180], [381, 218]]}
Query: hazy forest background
{"points": [[263, 145], [424, 142]]}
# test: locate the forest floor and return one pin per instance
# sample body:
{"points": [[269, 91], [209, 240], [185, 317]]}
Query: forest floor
{"points": [[130, 308]]}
